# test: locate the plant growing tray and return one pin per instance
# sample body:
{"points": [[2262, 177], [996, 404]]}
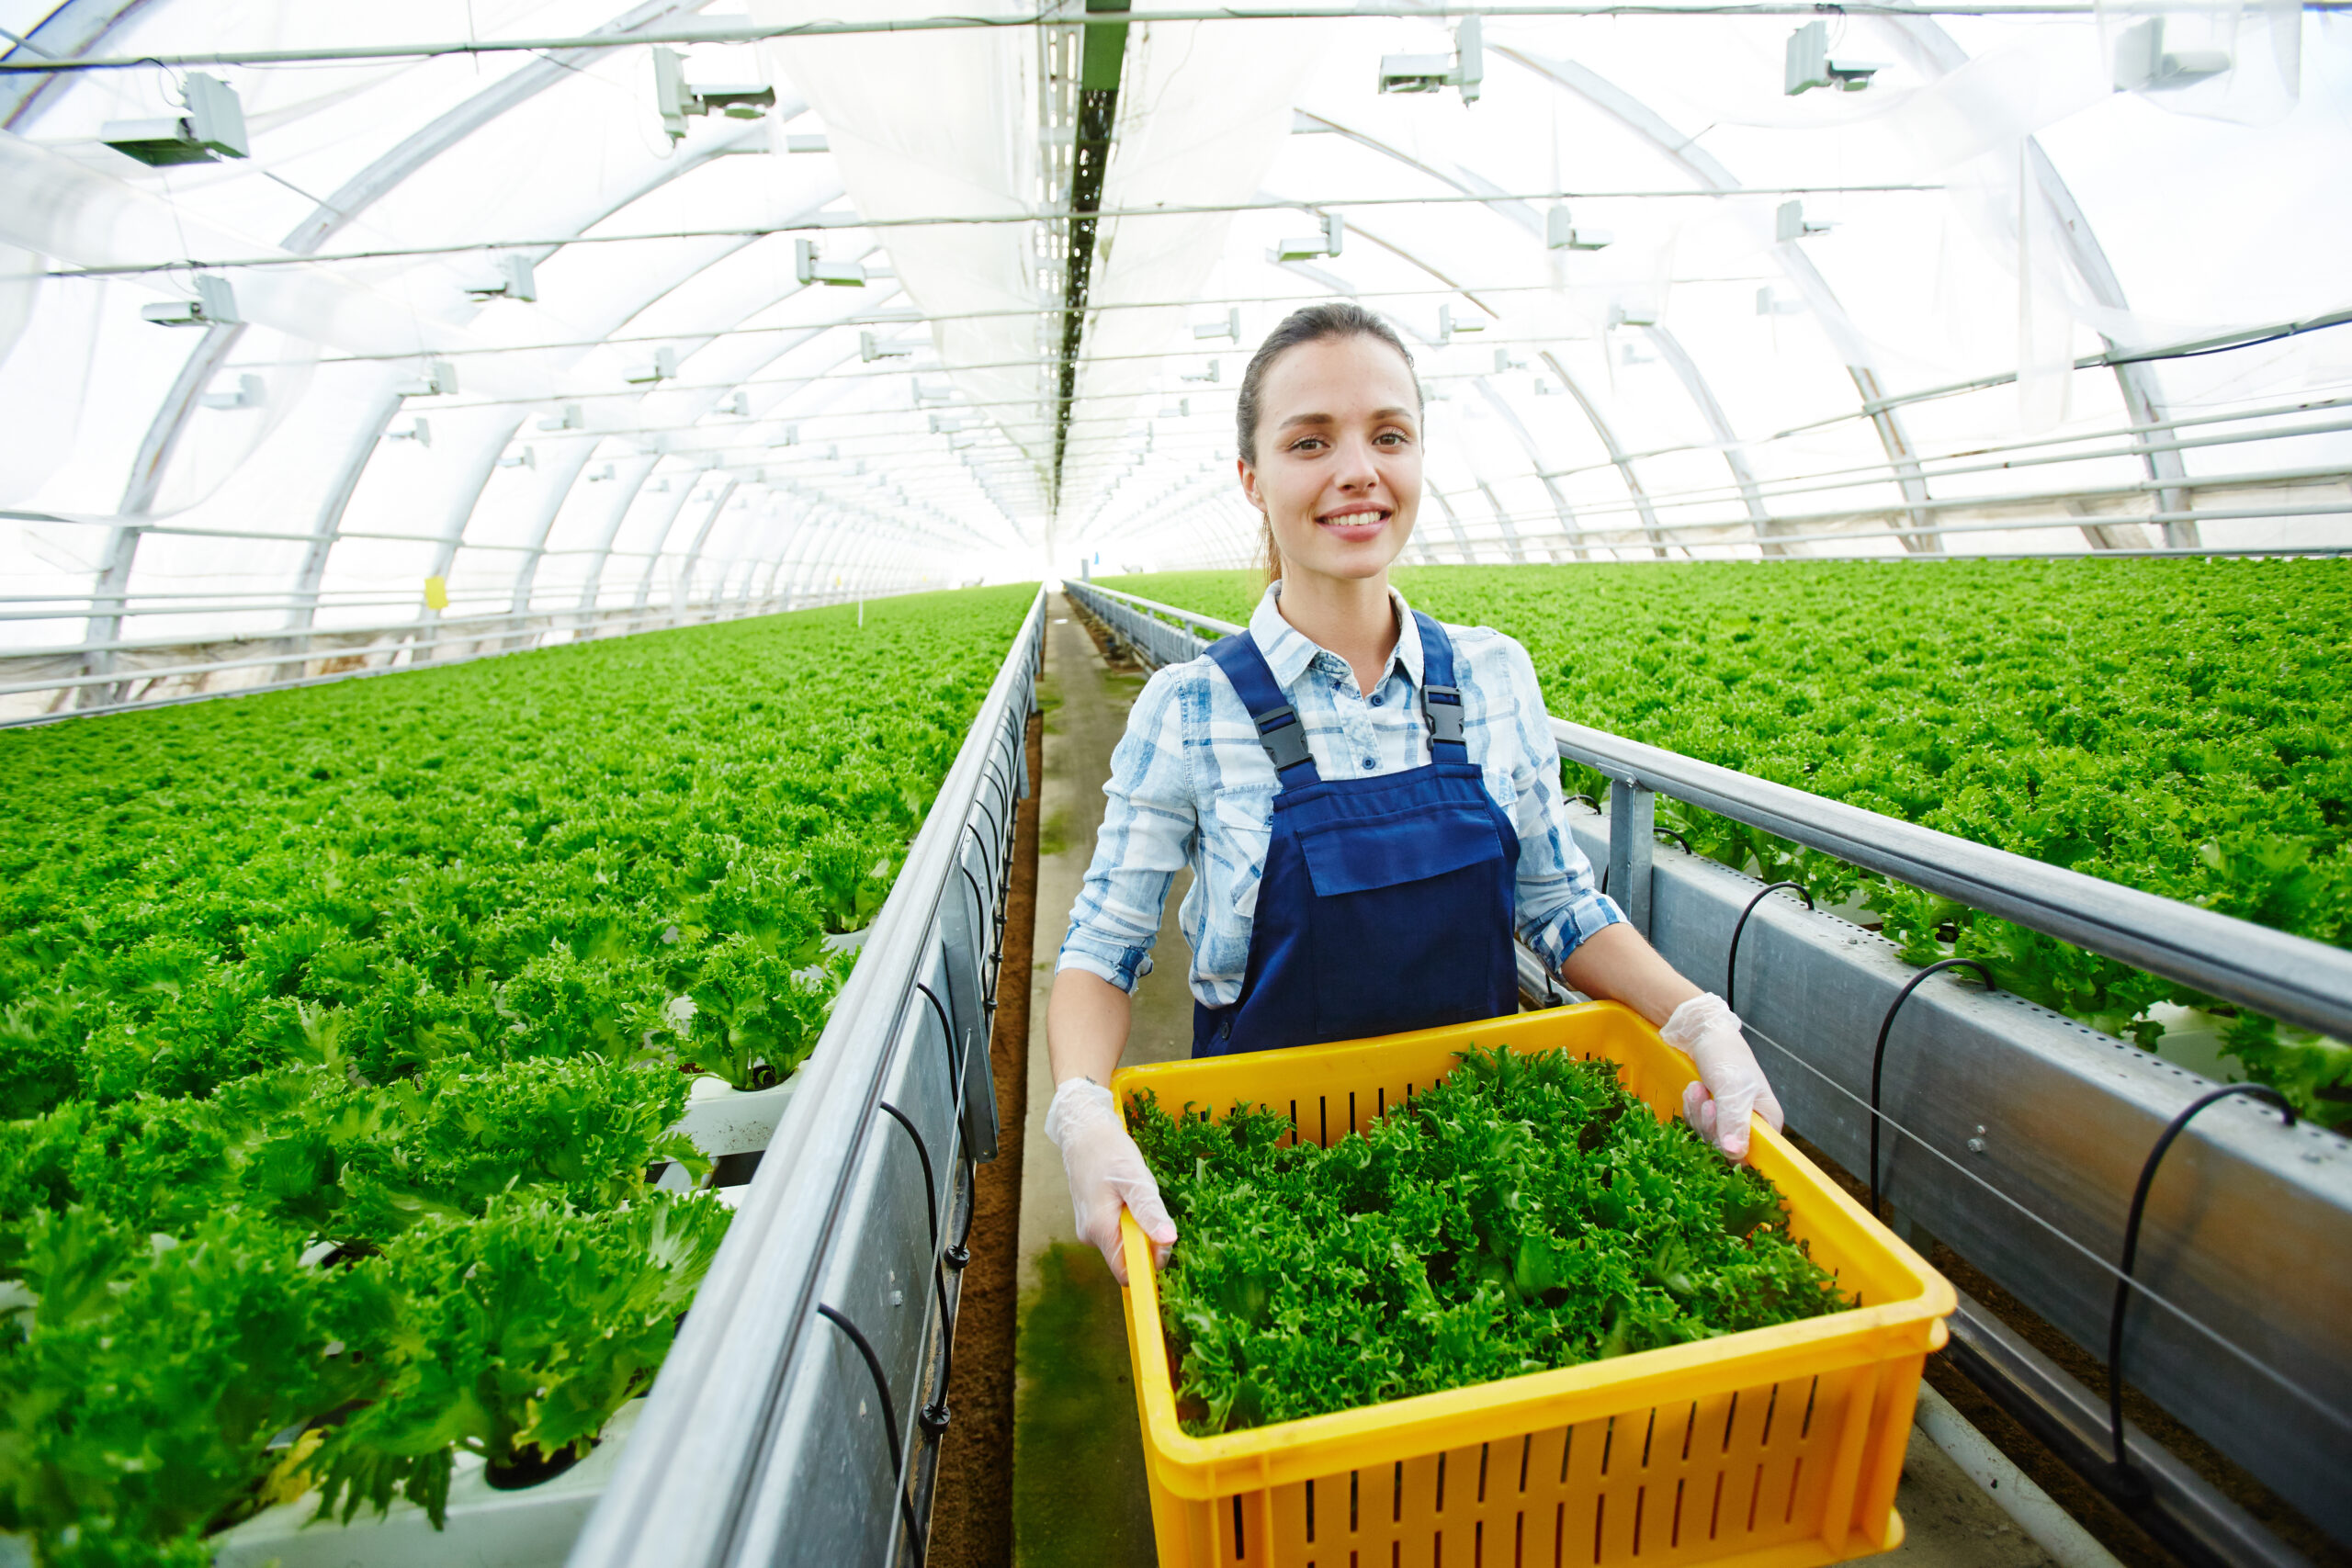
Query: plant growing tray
{"points": [[532, 1527], [1774, 1448]]}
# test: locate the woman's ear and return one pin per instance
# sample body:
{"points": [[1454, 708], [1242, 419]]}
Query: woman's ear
{"points": [[1250, 483]]}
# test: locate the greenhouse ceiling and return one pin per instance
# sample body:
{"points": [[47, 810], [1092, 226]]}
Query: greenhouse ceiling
{"points": [[325, 323]]}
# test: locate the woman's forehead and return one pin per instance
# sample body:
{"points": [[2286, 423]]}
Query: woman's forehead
{"points": [[1338, 376]]}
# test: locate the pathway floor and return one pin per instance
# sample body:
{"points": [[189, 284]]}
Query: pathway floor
{"points": [[1079, 1495]]}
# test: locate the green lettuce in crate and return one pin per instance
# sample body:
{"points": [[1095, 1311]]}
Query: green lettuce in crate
{"points": [[1526, 1213]]}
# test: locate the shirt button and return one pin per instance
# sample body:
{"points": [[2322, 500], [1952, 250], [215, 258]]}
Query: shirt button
{"points": [[1376, 702], [1372, 762]]}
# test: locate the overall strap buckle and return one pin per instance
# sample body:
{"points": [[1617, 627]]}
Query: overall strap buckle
{"points": [[1280, 730], [1441, 711], [1285, 738]]}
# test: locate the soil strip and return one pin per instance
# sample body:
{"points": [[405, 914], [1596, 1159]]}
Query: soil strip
{"points": [[971, 1520]]}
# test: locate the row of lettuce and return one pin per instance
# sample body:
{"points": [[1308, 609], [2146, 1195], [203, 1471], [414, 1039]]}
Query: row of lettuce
{"points": [[2179, 726], [340, 1027]]}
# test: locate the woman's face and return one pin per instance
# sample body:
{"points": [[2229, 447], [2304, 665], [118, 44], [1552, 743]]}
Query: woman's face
{"points": [[1338, 468]]}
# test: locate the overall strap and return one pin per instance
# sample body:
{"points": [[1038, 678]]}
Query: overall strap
{"points": [[1441, 698], [1280, 730]]}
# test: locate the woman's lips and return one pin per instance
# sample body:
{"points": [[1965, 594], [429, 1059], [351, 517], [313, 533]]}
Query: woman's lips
{"points": [[1354, 525]]}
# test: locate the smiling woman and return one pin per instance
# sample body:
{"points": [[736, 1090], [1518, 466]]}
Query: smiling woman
{"points": [[1369, 800]]}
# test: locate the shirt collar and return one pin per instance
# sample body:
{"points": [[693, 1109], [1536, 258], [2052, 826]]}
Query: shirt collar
{"points": [[1289, 651]]}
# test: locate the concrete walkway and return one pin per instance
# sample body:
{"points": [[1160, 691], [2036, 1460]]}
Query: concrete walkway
{"points": [[1079, 1495], [1077, 1480]]}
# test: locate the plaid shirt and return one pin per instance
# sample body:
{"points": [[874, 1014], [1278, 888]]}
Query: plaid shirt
{"points": [[1190, 785]]}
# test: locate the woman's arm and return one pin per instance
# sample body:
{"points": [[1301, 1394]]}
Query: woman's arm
{"points": [[1086, 1026], [1148, 827], [1618, 963], [1562, 915]]}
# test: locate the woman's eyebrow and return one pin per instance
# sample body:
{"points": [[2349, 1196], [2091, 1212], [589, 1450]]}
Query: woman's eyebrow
{"points": [[1299, 419]]}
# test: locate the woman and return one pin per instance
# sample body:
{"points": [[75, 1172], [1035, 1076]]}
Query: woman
{"points": [[1370, 802]]}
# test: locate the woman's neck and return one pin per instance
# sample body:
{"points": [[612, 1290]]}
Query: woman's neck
{"points": [[1352, 616]]}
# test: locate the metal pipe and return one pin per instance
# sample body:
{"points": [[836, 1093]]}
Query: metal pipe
{"points": [[1047, 16]]}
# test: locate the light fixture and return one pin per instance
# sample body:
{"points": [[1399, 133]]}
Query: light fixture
{"points": [[1210, 376], [1561, 233], [1228, 328], [526, 458], [568, 418], [515, 281], [439, 381], [1183, 410], [215, 305], [1464, 68], [663, 369], [1544, 388], [420, 432], [737, 407], [1789, 223], [605, 475], [871, 348], [2143, 63], [1311, 246], [1768, 302], [213, 129], [675, 98], [810, 267], [1809, 66], [1633, 315], [248, 395], [1504, 363], [1447, 326], [807, 144], [790, 437]]}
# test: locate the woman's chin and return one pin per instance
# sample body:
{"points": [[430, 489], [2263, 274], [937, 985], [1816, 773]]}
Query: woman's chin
{"points": [[1349, 554]]}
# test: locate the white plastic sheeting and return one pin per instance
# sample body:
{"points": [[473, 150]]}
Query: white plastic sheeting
{"points": [[678, 427]]}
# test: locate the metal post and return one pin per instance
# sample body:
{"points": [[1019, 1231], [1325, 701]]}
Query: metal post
{"points": [[1633, 814]]}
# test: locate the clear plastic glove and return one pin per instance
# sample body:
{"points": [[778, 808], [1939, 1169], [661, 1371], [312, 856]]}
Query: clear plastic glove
{"points": [[1106, 1173], [1730, 1084]]}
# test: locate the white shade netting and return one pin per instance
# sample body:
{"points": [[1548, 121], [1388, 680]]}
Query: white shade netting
{"points": [[507, 355]]}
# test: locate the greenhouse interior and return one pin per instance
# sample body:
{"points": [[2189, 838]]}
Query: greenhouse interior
{"points": [[626, 631]]}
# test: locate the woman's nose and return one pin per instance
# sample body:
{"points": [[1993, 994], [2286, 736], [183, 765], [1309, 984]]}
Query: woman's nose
{"points": [[1355, 469]]}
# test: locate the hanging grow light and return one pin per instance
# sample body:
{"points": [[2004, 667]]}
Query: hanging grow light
{"points": [[215, 305], [1464, 69], [213, 129], [1809, 66]]}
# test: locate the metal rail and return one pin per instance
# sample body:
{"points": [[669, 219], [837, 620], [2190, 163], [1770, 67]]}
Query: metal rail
{"points": [[808, 1383], [524, 630], [2017, 1134]]}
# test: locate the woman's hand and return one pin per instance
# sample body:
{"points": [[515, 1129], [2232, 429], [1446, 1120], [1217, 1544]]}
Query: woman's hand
{"points": [[1731, 1085], [1106, 1173]]}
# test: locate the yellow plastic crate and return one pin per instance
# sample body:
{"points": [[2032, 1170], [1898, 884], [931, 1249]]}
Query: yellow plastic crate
{"points": [[1769, 1449]]}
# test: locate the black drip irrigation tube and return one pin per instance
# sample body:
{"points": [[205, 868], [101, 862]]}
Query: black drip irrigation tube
{"points": [[1878, 1055], [889, 1425], [1731, 959], [2128, 1483]]}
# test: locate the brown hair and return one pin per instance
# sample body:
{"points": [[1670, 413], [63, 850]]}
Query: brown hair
{"points": [[1315, 324]]}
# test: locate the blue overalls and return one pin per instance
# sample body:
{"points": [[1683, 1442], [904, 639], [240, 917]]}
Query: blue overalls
{"points": [[1386, 902]]}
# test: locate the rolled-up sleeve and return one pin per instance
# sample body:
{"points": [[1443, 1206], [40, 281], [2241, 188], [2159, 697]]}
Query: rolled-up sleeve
{"points": [[1149, 824], [1558, 905]]}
